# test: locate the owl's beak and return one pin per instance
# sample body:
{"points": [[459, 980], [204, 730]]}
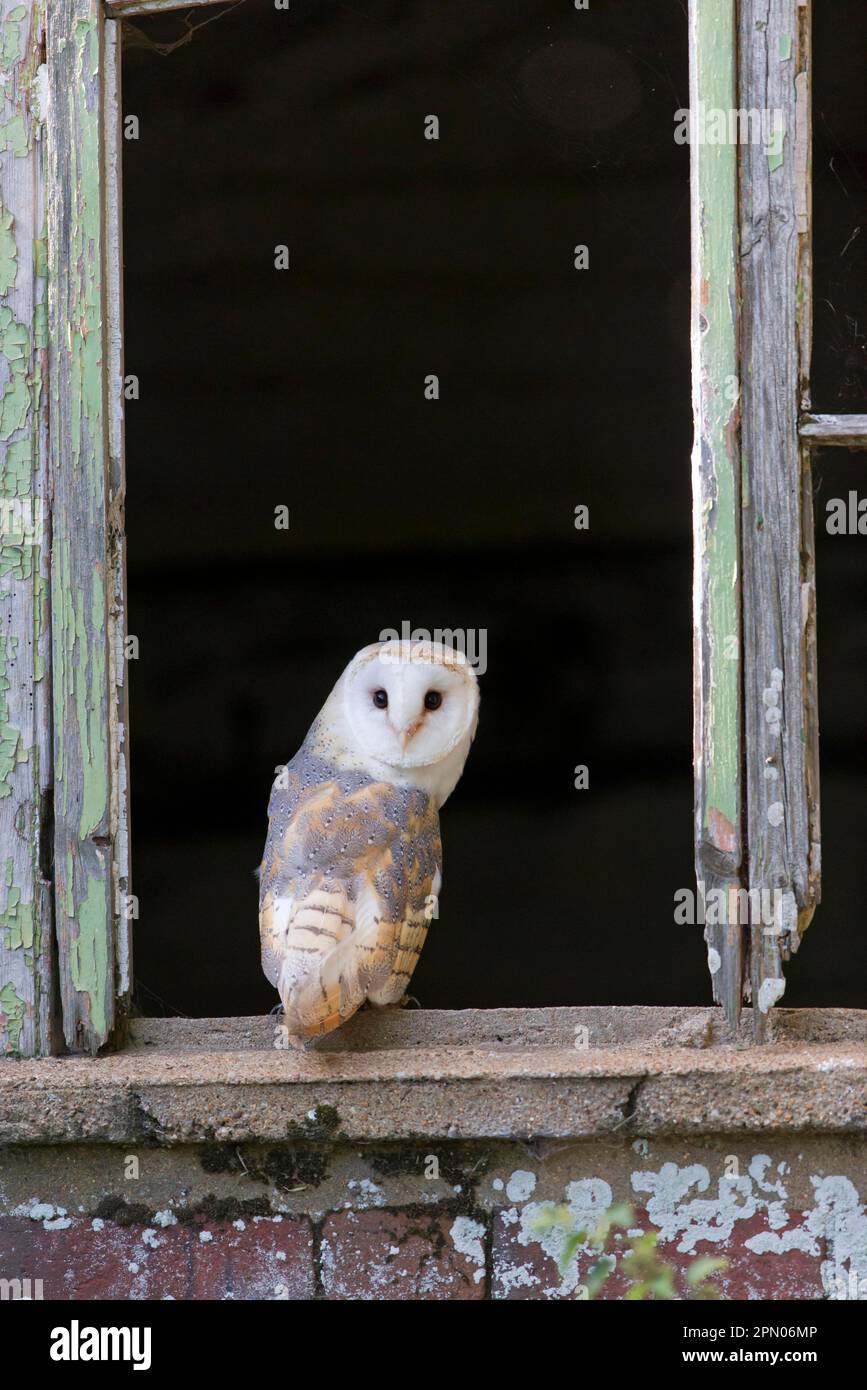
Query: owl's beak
{"points": [[409, 733]]}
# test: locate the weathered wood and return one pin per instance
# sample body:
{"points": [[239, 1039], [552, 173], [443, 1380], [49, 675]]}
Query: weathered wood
{"points": [[125, 9], [117, 606], [83, 576], [842, 431], [27, 1022], [782, 797], [716, 495]]}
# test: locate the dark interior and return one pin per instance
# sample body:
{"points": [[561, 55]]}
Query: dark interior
{"points": [[304, 388]]}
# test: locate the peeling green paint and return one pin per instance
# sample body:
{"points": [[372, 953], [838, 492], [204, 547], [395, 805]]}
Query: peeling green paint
{"points": [[12, 750], [15, 347], [86, 356], [13, 136], [785, 47], [17, 917], [8, 251], [19, 551], [10, 45], [79, 618], [89, 951], [12, 1013], [23, 725], [775, 147]]}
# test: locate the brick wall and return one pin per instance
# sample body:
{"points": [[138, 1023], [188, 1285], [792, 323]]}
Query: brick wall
{"points": [[434, 1222]]}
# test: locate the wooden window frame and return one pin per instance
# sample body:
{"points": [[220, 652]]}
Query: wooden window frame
{"points": [[65, 951]]}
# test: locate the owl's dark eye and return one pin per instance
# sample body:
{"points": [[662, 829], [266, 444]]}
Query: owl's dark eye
{"points": [[433, 699], [380, 699]]}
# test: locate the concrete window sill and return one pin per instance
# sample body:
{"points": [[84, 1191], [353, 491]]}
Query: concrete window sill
{"points": [[501, 1073]]}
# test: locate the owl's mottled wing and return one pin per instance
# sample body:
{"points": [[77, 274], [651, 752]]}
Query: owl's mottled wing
{"points": [[349, 872]]}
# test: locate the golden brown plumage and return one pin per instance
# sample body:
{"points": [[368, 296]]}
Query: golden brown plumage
{"points": [[345, 885]]}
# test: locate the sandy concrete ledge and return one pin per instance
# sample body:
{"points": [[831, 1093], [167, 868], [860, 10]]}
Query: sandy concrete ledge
{"points": [[504, 1073]]}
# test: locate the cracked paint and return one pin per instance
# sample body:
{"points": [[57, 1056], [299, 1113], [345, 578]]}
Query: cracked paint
{"points": [[12, 1011], [23, 732], [468, 1238], [81, 571]]}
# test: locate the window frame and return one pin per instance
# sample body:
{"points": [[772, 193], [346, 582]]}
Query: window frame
{"points": [[65, 962]]}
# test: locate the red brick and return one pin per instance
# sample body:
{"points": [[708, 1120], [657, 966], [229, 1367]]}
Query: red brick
{"points": [[79, 1263], [527, 1272], [268, 1259], [387, 1256]]}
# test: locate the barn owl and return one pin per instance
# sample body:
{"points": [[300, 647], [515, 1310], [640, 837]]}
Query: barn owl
{"points": [[352, 866]]}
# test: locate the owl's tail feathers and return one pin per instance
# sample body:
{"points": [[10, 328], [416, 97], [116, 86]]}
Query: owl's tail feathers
{"points": [[322, 986]]}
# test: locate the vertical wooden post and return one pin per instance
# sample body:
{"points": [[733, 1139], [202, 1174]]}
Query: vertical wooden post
{"points": [[777, 538], [85, 594], [716, 492], [116, 559], [27, 1012]]}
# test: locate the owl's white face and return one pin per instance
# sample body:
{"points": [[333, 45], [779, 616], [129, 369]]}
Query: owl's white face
{"points": [[412, 706]]}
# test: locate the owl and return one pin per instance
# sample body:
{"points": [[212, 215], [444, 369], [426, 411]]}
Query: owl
{"points": [[351, 872]]}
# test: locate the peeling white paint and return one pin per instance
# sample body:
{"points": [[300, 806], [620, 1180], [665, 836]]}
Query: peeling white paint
{"points": [[512, 1276], [771, 699], [366, 1193], [468, 1239], [709, 1218], [521, 1185], [788, 912], [586, 1200], [841, 1219], [165, 1218], [769, 1243], [37, 1211], [770, 990], [39, 94], [688, 1219], [714, 960]]}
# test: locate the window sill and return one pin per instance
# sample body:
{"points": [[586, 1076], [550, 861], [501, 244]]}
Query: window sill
{"points": [[508, 1073]]}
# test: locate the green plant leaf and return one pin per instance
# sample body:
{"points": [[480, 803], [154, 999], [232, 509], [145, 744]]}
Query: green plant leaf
{"points": [[701, 1268]]}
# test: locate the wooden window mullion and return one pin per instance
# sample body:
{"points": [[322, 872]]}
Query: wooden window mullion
{"points": [[86, 559], [27, 1006], [716, 472], [779, 601]]}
